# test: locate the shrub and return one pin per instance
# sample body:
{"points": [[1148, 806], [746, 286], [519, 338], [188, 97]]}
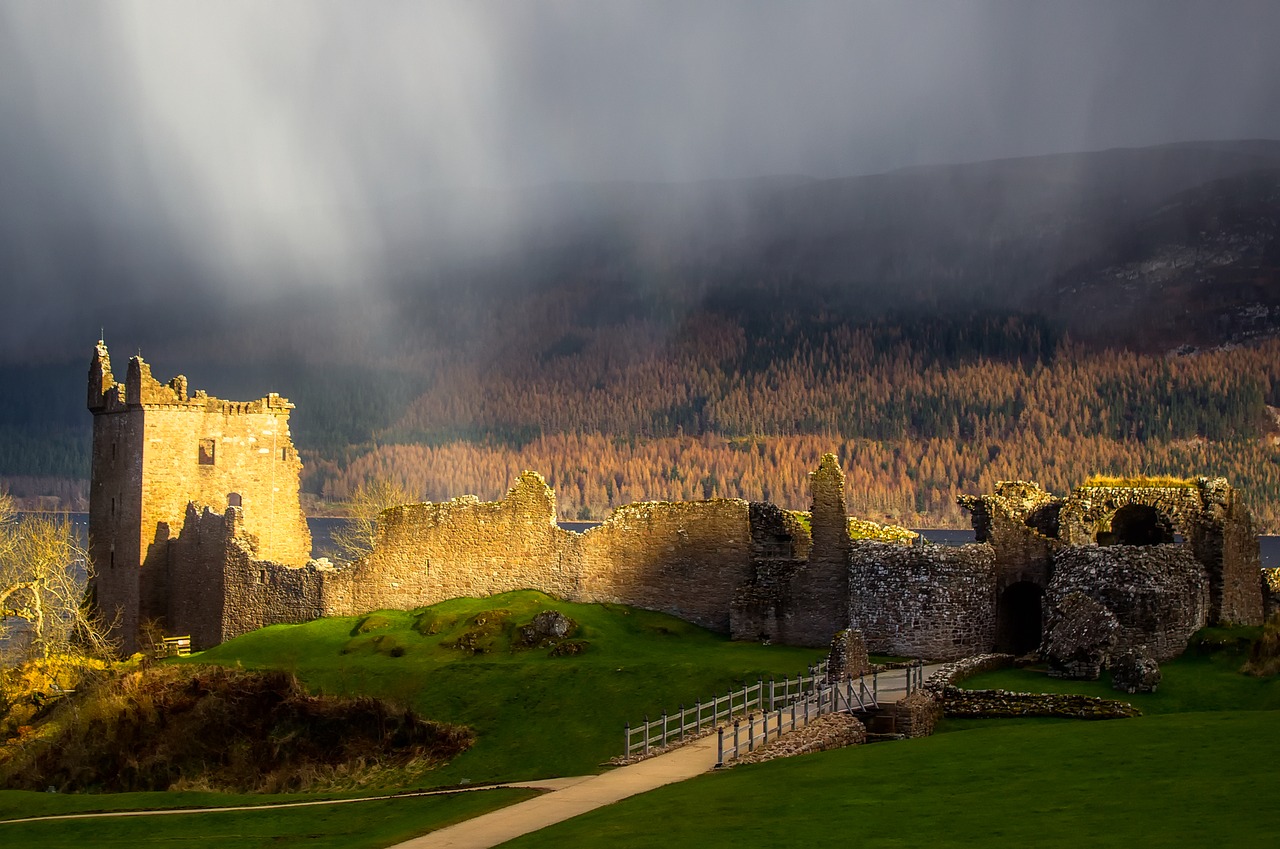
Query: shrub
{"points": [[1264, 657]]}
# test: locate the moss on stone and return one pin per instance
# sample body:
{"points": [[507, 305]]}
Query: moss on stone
{"points": [[487, 631], [1139, 482], [372, 622], [867, 529]]}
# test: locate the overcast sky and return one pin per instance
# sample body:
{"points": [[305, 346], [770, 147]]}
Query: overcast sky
{"points": [[239, 142]]}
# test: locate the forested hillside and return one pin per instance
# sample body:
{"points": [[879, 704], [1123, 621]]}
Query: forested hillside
{"points": [[1048, 318], [918, 413]]}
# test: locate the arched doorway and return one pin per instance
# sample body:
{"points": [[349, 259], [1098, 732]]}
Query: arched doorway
{"points": [[1137, 524], [1020, 618]]}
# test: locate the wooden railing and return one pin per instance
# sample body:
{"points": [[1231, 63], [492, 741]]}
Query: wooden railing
{"points": [[847, 696], [677, 726]]}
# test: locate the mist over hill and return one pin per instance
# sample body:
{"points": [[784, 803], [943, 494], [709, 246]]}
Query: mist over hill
{"points": [[739, 309]]}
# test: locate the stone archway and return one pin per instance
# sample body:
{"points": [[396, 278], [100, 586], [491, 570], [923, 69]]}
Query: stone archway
{"points": [[1137, 524], [1020, 618]]}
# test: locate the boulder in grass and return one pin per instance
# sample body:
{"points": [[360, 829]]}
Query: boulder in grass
{"points": [[548, 627], [1135, 672]]}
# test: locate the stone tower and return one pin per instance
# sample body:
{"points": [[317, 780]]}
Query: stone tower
{"points": [[157, 448]]}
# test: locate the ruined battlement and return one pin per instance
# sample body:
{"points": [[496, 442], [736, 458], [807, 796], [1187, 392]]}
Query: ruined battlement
{"points": [[141, 390]]}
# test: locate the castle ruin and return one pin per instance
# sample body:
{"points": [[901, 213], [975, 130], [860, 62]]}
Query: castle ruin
{"points": [[195, 522], [158, 448]]}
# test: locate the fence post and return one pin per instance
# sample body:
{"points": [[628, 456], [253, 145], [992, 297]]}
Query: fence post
{"points": [[627, 750], [793, 716], [682, 722], [698, 726], [875, 687], [736, 724], [719, 747], [664, 729], [771, 692], [751, 732], [646, 734]]}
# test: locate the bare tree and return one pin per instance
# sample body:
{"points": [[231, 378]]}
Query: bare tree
{"points": [[356, 538], [44, 573]]}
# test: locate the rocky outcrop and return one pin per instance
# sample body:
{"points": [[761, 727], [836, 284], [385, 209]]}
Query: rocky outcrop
{"points": [[548, 627]]}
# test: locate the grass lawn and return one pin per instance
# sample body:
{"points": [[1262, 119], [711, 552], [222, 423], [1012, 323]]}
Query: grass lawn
{"points": [[535, 715], [360, 825], [1179, 780], [1207, 677]]}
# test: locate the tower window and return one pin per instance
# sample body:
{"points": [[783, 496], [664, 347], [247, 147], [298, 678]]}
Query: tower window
{"points": [[206, 452], [234, 500]]}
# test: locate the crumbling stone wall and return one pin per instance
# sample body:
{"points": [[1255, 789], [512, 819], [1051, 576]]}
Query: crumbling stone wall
{"points": [[779, 547], [1207, 513], [238, 591], [819, 589], [1158, 594], [1021, 522], [1003, 703], [933, 601], [682, 558], [917, 714], [798, 584], [156, 448]]}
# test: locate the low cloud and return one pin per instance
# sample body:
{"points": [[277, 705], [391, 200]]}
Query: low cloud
{"points": [[240, 150]]}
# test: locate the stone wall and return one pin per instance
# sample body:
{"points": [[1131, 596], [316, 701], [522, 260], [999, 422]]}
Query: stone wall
{"points": [[1021, 522], [817, 595], [197, 567], [933, 601], [1238, 601], [1158, 594], [916, 715], [1002, 703], [686, 559], [1207, 514], [222, 588], [965, 667]]}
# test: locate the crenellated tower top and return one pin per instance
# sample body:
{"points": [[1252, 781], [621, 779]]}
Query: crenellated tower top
{"points": [[141, 390]]}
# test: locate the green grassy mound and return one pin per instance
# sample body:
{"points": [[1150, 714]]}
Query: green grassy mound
{"points": [[1185, 780], [1206, 678], [537, 711]]}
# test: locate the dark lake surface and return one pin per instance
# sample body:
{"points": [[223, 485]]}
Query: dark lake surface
{"points": [[322, 528]]}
